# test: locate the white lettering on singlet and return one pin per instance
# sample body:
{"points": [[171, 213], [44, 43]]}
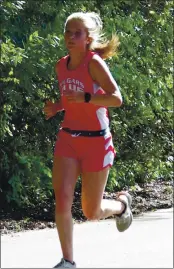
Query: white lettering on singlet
{"points": [[72, 85]]}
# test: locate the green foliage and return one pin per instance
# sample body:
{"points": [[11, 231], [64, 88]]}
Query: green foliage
{"points": [[30, 181], [32, 42], [143, 126]]}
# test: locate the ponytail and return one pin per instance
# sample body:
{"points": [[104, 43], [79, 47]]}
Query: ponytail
{"points": [[107, 49]]}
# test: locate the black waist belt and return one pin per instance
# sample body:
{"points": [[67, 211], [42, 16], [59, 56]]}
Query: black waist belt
{"points": [[85, 133]]}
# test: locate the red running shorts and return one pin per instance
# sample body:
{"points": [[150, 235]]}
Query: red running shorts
{"points": [[93, 153]]}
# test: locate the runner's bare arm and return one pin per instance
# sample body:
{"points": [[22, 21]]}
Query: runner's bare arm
{"points": [[101, 74]]}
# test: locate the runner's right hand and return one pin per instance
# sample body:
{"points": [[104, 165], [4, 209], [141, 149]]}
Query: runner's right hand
{"points": [[50, 109]]}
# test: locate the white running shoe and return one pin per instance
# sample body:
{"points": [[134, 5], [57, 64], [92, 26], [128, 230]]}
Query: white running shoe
{"points": [[124, 220], [65, 264]]}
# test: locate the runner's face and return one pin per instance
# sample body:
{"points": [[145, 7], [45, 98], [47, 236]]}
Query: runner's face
{"points": [[76, 37]]}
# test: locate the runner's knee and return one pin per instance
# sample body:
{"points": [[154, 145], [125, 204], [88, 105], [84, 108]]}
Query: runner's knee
{"points": [[63, 202]]}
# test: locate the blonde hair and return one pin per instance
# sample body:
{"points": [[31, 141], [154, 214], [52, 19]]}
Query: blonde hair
{"points": [[100, 44]]}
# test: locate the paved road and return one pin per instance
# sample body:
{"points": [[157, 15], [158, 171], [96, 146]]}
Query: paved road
{"points": [[147, 244]]}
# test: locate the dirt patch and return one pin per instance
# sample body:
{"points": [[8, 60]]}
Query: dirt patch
{"points": [[150, 196]]}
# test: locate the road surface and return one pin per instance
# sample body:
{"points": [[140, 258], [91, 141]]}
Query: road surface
{"points": [[147, 244]]}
